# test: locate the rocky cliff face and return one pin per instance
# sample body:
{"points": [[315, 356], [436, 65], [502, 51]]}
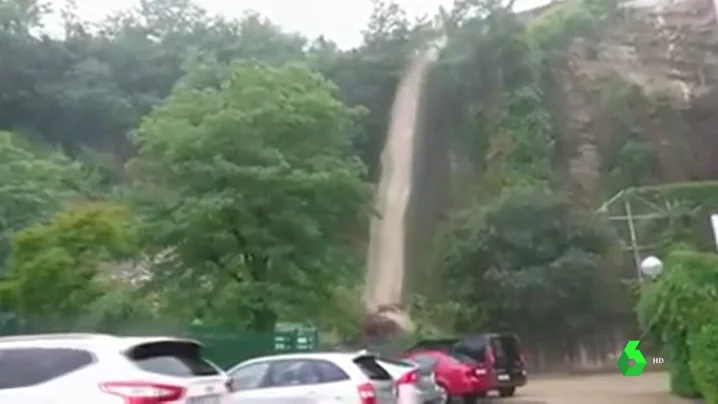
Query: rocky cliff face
{"points": [[668, 51]]}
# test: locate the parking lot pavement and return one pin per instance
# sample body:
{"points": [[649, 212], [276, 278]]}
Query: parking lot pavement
{"points": [[649, 388]]}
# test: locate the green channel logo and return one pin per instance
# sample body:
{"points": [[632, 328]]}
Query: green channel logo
{"points": [[631, 353]]}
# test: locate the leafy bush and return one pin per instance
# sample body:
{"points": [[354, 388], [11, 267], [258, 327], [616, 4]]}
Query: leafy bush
{"points": [[524, 258], [676, 355], [703, 360], [679, 310]]}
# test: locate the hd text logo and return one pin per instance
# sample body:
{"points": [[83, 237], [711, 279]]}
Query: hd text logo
{"points": [[632, 362]]}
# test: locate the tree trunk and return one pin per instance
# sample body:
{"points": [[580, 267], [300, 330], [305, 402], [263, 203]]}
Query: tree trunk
{"points": [[264, 318]]}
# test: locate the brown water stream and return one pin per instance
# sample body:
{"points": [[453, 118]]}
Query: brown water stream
{"points": [[386, 268]]}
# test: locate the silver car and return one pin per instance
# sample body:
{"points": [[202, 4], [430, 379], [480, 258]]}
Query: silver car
{"points": [[313, 378], [415, 381]]}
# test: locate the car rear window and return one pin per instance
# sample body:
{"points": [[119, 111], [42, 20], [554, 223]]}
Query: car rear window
{"points": [[442, 345], [172, 358], [472, 360], [26, 367], [473, 348], [505, 347], [424, 361], [396, 362], [371, 368]]}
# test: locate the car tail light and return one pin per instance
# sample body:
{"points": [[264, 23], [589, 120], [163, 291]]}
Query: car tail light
{"points": [[367, 395], [143, 392], [408, 378]]}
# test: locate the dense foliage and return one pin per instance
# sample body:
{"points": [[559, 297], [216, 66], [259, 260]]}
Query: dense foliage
{"points": [[679, 312], [56, 267], [255, 189], [523, 275]]}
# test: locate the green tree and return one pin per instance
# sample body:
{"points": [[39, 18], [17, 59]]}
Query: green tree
{"points": [[94, 84], [528, 258], [20, 16], [250, 191], [55, 267], [35, 182]]}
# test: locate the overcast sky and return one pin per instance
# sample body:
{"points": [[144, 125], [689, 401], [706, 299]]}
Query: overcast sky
{"points": [[340, 20]]}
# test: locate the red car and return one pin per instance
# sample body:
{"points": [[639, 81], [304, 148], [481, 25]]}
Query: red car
{"points": [[497, 356], [458, 378]]}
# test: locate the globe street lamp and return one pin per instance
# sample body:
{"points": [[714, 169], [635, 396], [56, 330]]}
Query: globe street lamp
{"points": [[651, 267]]}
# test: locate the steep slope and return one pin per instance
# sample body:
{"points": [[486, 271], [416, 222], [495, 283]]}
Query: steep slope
{"points": [[666, 53], [631, 103]]}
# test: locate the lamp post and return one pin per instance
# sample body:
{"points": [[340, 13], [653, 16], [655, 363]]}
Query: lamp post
{"points": [[651, 267]]}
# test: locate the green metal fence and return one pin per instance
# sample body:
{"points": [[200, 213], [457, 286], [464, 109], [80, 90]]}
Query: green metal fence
{"points": [[226, 349], [222, 346]]}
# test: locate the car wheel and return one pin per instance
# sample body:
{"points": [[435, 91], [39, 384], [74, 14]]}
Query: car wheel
{"points": [[473, 398], [445, 397], [507, 391]]}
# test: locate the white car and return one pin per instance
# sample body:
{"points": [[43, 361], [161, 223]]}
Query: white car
{"points": [[313, 378], [106, 369]]}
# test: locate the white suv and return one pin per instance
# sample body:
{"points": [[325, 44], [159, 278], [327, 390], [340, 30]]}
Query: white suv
{"points": [[313, 378], [105, 369]]}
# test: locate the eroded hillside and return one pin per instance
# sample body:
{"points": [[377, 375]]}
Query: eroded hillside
{"points": [[581, 96], [619, 98], [662, 60]]}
